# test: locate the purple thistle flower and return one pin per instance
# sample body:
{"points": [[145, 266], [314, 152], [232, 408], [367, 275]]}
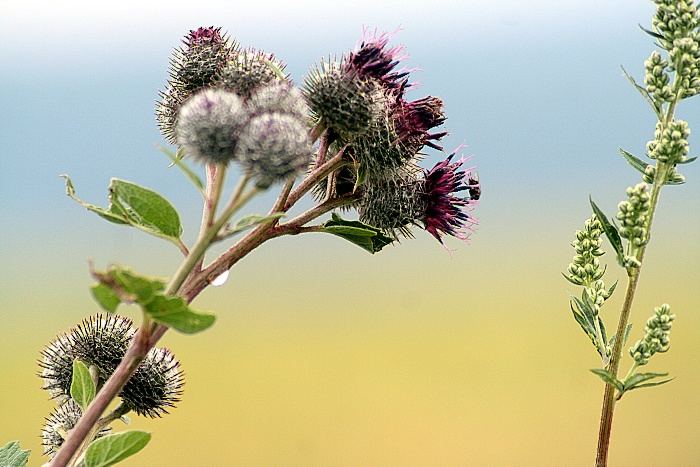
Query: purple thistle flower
{"points": [[415, 119], [446, 212], [372, 59], [204, 35]]}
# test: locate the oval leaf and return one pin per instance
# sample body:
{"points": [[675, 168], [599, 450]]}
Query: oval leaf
{"points": [[105, 297], [174, 312], [114, 448], [145, 209], [82, 387], [365, 236]]}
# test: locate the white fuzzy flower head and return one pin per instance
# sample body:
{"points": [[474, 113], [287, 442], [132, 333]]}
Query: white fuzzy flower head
{"points": [[209, 124]]}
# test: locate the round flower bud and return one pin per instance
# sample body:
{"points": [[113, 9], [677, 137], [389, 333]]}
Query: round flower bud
{"points": [[392, 205], [192, 67], [155, 386], [280, 97], [346, 103], [209, 124], [100, 341], [274, 147], [249, 70], [57, 425]]}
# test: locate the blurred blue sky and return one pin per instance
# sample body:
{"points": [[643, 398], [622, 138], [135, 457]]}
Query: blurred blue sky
{"points": [[534, 89]]}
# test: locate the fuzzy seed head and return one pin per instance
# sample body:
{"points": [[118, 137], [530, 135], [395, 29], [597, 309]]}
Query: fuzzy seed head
{"points": [[100, 341], [278, 97], [209, 124], [274, 147], [249, 70], [156, 386], [57, 425]]}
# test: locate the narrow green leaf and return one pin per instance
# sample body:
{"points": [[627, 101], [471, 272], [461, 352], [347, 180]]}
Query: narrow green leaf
{"points": [[642, 90], [689, 160], [608, 378], [177, 160], [12, 455], [114, 448], [651, 385], [82, 387], [250, 221], [650, 32], [146, 209], [610, 232], [365, 236], [634, 161], [638, 378], [174, 312], [105, 297]]}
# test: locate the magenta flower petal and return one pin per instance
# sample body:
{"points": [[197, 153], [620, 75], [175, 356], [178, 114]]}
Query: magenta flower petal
{"points": [[449, 191]]}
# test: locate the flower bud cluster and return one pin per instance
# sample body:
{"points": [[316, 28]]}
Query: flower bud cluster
{"points": [[674, 19], [585, 268], [657, 78], [657, 335], [670, 143], [676, 22], [101, 342], [633, 213]]}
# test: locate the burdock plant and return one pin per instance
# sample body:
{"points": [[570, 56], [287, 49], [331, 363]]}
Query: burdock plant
{"points": [[671, 76], [350, 133]]}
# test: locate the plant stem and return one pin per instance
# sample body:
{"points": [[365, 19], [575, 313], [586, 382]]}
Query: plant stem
{"points": [[189, 281], [608, 409]]}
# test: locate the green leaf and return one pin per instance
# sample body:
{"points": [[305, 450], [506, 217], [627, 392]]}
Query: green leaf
{"points": [[114, 448], [642, 90], [634, 161], [252, 220], [689, 160], [650, 385], [610, 232], [177, 160], [174, 312], [105, 297], [12, 455], [146, 209], [82, 387], [136, 206], [650, 32], [125, 286], [365, 236], [608, 378]]}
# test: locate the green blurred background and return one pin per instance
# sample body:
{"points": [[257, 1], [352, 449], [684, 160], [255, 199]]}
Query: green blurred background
{"points": [[324, 355]]}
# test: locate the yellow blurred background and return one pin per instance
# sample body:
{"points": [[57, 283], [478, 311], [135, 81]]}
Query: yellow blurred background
{"points": [[324, 355]]}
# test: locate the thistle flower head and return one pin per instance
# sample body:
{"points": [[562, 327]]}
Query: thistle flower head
{"points": [[393, 204], [274, 147], [57, 425], [449, 191], [347, 104], [414, 120], [248, 70], [156, 385], [193, 66], [372, 59], [209, 124], [280, 97], [657, 335], [100, 341]]}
